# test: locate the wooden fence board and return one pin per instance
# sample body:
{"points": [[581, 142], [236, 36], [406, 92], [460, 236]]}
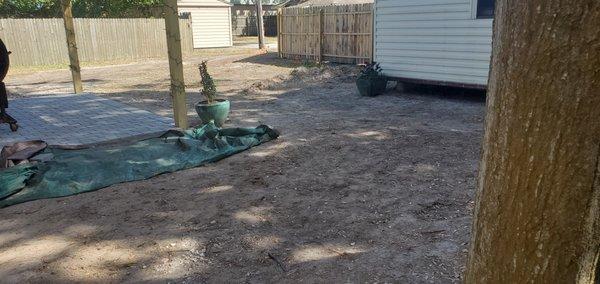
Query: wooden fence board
{"points": [[36, 42], [340, 33]]}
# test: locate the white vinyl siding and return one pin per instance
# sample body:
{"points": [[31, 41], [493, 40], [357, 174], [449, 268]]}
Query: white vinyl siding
{"points": [[434, 40], [211, 22]]}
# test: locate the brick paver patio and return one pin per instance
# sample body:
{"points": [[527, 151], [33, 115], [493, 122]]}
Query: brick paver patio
{"points": [[78, 120]]}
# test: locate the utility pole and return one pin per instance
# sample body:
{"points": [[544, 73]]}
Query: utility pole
{"points": [[259, 23], [72, 45]]}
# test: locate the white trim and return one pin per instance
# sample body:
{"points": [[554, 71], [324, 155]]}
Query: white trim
{"points": [[230, 28], [374, 33], [474, 9]]}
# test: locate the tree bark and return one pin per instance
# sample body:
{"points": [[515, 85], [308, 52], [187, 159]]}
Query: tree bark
{"points": [[175, 64], [260, 25], [72, 45], [537, 213]]}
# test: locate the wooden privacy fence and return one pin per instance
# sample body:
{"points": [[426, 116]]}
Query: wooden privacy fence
{"points": [[35, 42], [340, 33]]}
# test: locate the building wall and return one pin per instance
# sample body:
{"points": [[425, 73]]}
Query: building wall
{"points": [[437, 40], [211, 26]]}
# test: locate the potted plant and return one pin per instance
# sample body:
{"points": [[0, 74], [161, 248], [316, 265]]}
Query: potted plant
{"points": [[212, 109], [371, 82]]}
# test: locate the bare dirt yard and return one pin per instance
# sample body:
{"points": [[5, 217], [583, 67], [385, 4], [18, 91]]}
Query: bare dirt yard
{"points": [[356, 189]]}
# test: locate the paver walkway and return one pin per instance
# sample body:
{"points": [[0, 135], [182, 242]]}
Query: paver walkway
{"points": [[77, 120]]}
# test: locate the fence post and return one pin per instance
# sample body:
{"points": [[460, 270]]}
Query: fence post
{"points": [[279, 16], [72, 46], [321, 34], [372, 45], [175, 64], [260, 25]]}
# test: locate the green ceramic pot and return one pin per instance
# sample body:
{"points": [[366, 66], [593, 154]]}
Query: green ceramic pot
{"points": [[217, 111]]}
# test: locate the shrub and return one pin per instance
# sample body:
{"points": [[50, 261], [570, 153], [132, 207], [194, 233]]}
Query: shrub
{"points": [[209, 90]]}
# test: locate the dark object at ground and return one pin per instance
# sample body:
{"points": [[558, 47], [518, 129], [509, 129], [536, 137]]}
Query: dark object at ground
{"points": [[20, 153], [370, 82], [277, 261], [4, 64]]}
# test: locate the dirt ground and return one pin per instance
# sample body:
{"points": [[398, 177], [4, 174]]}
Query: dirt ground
{"points": [[356, 190]]}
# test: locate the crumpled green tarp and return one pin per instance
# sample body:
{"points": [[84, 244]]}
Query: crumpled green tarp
{"points": [[70, 172]]}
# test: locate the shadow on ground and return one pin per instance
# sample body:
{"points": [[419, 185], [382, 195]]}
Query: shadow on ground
{"points": [[356, 189], [274, 60]]}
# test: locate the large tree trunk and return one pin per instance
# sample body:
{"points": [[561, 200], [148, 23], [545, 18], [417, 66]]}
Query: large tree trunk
{"points": [[537, 214]]}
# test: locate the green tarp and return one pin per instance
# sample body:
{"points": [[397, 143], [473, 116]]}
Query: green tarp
{"points": [[69, 172]]}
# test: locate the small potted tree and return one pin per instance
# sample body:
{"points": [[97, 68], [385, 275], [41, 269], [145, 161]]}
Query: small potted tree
{"points": [[371, 82], [212, 109]]}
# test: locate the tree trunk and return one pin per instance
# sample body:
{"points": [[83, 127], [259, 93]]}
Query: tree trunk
{"points": [[537, 212], [72, 46]]}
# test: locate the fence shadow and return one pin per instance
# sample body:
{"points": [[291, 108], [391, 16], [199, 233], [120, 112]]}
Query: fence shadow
{"points": [[272, 58]]}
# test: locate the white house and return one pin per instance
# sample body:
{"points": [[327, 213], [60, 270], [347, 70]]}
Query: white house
{"points": [[211, 22], [446, 42]]}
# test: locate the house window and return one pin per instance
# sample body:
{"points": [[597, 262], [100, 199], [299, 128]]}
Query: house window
{"points": [[485, 9]]}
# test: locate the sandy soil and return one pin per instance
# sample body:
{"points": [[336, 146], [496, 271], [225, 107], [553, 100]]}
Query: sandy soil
{"points": [[356, 189]]}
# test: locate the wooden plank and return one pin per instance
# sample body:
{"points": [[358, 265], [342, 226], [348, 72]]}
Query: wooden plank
{"points": [[346, 56], [301, 33], [321, 34], [175, 64], [279, 17], [372, 37], [72, 46], [349, 34], [349, 13]]}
